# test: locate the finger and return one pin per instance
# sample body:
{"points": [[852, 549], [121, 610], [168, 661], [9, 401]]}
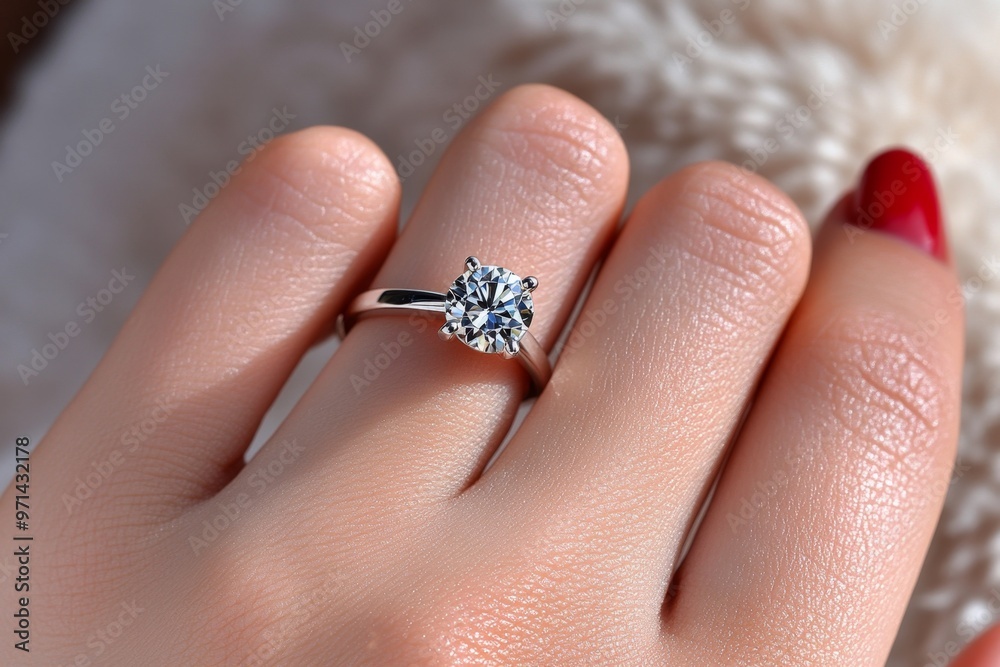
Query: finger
{"points": [[657, 371], [535, 184], [817, 531], [175, 402]]}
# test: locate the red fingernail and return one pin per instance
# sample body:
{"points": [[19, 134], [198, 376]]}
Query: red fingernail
{"points": [[897, 196]]}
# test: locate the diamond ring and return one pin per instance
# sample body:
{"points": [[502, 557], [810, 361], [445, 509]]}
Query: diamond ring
{"points": [[489, 308]]}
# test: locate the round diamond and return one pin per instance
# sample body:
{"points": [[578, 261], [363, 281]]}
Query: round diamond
{"points": [[490, 307]]}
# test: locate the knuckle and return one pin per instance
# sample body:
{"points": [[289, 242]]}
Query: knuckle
{"points": [[884, 389], [456, 631], [740, 232], [553, 137], [519, 615], [437, 637], [333, 154], [235, 611], [738, 243], [331, 182]]}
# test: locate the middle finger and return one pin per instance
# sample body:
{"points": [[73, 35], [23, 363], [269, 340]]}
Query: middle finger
{"points": [[658, 369]]}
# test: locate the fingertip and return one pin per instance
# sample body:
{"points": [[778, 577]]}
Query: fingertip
{"points": [[323, 177], [720, 197], [551, 131]]}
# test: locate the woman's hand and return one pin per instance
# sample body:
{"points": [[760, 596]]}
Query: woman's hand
{"points": [[366, 532]]}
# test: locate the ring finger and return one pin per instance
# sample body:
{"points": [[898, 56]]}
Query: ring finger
{"points": [[536, 185]]}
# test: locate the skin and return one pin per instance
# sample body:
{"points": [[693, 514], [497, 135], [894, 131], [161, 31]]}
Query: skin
{"points": [[369, 530]]}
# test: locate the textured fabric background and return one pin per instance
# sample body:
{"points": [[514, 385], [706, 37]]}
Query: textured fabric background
{"points": [[684, 81]]}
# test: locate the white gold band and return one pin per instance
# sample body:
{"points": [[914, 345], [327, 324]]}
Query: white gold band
{"points": [[409, 301]]}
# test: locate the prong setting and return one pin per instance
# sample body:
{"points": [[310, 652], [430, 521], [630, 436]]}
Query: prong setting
{"points": [[530, 283], [448, 331], [489, 307]]}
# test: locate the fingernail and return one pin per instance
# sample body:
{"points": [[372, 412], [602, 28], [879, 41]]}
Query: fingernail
{"points": [[897, 196]]}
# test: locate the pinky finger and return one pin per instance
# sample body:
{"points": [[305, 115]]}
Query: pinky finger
{"points": [[821, 520]]}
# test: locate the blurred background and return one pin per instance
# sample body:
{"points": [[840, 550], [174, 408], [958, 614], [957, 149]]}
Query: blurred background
{"points": [[120, 118]]}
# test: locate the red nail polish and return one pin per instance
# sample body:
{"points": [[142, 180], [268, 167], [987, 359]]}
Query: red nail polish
{"points": [[897, 196]]}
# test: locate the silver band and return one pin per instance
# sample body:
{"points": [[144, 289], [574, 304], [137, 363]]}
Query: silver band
{"points": [[410, 301]]}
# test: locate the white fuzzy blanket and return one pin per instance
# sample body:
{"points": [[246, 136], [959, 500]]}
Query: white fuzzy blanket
{"points": [[683, 82]]}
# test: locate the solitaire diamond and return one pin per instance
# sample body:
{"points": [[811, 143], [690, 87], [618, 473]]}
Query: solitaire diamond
{"points": [[489, 308]]}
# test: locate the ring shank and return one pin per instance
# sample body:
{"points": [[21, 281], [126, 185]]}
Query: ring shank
{"points": [[409, 301]]}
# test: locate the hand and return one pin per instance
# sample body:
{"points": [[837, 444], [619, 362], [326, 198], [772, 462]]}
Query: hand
{"points": [[366, 531]]}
